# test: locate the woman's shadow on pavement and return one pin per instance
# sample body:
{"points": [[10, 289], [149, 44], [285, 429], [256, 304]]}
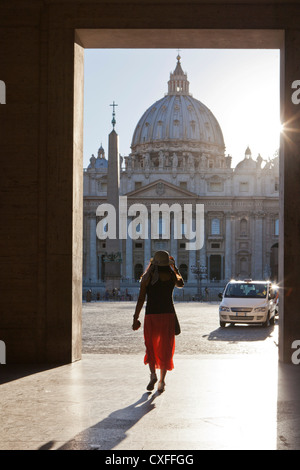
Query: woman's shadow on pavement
{"points": [[112, 430]]}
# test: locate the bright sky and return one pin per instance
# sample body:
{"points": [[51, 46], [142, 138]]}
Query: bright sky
{"points": [[240, 87]]}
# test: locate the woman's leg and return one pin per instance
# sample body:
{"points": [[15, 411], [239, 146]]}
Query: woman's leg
{"points": [[162, 375], [161, 383], [153, 378]]}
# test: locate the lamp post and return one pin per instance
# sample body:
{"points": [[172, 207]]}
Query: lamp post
{"points": [[200, 272]]}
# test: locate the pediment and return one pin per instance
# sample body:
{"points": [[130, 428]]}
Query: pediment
{"points": [[160, 189], [215, 178]]}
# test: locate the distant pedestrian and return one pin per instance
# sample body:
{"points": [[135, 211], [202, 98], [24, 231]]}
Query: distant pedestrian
{"points": [[89, 295], [157, 284]]}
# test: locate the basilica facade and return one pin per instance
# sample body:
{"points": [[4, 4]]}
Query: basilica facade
{"points": [[178, 157]]}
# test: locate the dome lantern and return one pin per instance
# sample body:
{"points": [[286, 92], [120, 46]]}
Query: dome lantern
{"points": [[178, 83], [248, 153]]}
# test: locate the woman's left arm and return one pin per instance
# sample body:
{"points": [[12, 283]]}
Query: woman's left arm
{"points": [[179, 281]]}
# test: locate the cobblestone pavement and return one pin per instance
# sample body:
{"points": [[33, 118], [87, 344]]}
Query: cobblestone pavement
{"points": [[107, 330]]}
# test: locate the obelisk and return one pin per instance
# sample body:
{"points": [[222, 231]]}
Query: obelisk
{"points": [[113, 247]]}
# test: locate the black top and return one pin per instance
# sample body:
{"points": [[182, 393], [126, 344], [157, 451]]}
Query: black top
{"points": [[160, 297]]}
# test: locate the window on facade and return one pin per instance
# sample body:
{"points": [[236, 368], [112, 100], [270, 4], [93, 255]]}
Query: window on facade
{"points": [[137, 184], [244, 267], [243, 228], [138, 271], [184, 271], [215, 265], [102, 186], [183, 184], [215, 227]]}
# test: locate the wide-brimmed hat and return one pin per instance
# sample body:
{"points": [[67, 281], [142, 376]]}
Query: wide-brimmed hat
{"points": [[161, 258]]}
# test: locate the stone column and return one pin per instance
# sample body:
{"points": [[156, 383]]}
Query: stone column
{"points": [[228, 246], [202, 258], [147, 246], [192, 262], [174, 242], [129, 260], [258, 247], [93, 249], [233, 247]]}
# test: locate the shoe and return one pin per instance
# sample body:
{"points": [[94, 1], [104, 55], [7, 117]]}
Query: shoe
{"points": [[153, 380], [161, 387]]}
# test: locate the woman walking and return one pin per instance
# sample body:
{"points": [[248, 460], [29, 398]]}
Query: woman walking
{"points": [[157, 284]]}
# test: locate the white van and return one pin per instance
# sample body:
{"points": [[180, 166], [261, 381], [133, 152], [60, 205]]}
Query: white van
{"points": [[247, 302]]}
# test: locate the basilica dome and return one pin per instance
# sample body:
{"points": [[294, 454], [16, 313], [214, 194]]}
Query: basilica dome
{"points": [[247, 164], [100, 162], [178, 117]]}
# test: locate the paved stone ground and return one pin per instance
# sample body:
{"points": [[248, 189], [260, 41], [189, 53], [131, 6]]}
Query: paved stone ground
{"points": [[227, 390], [107, 330]]}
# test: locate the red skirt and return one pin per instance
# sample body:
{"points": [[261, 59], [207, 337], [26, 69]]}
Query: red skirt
{"points": [[159, 335]]}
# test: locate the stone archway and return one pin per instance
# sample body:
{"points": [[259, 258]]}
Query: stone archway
{"points": [[43, 67]]}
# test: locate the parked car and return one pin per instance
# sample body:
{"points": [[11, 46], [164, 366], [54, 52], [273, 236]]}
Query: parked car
{"points": [[247, 301]]}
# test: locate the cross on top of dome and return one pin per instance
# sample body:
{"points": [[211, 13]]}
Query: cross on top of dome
{"points": [[113, 114]]}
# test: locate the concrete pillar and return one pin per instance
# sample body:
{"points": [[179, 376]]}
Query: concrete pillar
{"points": [[289, 222], [228, 246]]}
